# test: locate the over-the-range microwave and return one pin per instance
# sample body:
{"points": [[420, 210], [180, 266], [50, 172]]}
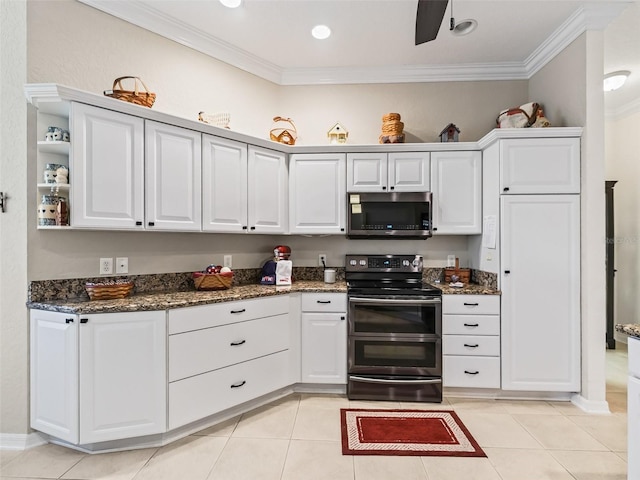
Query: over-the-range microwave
{"points": [[394, 215]]}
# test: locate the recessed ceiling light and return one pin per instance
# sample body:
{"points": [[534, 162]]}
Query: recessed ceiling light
{"points": [[321, 32], [231, 3], [464, 27], [614, 80]]}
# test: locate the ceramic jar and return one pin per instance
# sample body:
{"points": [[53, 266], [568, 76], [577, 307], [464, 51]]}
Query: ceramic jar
{"points": [[50, 170], [47, 210]]}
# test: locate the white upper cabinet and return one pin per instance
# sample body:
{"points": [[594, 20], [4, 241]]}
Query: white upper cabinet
{"points": [[268, 187], [456, 184], [540, 165], [317, 193], [392, 172], [106, 169], [224, 185], [173, 177]]}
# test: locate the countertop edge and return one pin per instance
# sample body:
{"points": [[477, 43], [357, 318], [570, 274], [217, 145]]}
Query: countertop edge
{"points": [[630, 329]]}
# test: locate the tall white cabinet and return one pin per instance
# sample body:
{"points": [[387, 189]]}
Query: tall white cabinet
{"points": [[540, 265]]}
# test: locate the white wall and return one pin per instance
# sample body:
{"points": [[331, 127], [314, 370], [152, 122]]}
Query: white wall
{"points": [[623, 165], [14, 377]]}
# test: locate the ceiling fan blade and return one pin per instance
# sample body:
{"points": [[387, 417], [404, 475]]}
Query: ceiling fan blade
{"points": [[428, 19]]}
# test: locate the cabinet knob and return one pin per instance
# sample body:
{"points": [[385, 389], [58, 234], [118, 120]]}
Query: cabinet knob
{"points": [[384, 188], [151, 224], [68, 320], [342, 317], [84, 320], [244, 227], [391, 188], [505, 189], [507, 272], [435, 229], [138, 224], [253, 228]]}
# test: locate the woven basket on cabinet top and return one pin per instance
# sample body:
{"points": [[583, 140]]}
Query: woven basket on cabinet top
{"points": [[144, 98]]}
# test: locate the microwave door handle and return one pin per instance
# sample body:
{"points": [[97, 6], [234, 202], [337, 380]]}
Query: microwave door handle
{"points": [[385, 380], [387, 301]]}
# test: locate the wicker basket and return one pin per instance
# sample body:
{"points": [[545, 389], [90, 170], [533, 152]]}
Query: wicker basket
{"points": [[283, 131], [212, 281], [221, 119], [464, 274], [135, 96], [109, 291]]}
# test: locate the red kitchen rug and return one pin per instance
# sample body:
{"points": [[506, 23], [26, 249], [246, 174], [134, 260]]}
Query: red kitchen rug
{"points": [[406, 432]]}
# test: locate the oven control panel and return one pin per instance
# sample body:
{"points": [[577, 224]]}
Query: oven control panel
{"points": [[383, 263]]}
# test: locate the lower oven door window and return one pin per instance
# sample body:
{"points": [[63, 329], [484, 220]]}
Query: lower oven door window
{"points": [[396, 356], [381, 316]]}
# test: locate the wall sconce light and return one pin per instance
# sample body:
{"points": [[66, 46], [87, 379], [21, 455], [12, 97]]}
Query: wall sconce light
{"points": [[615, 80]]}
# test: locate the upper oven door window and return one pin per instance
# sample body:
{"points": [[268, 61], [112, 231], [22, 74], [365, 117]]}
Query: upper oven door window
{"points": [[376, 316]]}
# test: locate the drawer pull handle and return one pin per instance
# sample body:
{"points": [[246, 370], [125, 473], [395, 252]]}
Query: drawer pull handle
{"points": [[471, 346], [239, 311], [235, 344], [470, 304], [471, 325], [471, 373], [238, 385], [324, 301], [68, 320]]}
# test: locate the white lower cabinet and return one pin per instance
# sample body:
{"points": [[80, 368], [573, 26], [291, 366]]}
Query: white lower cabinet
{"points": [[100, 377], [633, 410], [324, 338], [225, 354], [471, 341]]}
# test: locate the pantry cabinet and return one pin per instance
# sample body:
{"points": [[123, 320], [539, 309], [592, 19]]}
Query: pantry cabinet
{"points": [[324, 338], [388, 172], [317, 193], [456, 184], [173, 170], [96, 378], [540, 283], [106, 169]]}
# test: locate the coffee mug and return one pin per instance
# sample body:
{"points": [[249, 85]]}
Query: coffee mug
{"points": [[329, 276]]}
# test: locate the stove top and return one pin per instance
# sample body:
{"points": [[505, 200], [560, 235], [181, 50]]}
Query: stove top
{"points": [[387, 275]]}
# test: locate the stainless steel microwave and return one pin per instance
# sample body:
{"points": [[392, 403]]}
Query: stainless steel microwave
{"points": [[394, 215]]}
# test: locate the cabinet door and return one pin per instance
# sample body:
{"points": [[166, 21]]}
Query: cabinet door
{"points": [[456, 183], [540, 238], [324, 348], [173, 177], [224, 185], [633, 427], [367, 172], [106, 169], [123, 379], [54, 374], [409, 172], [268, 191], [317, 193], [540, 165]]}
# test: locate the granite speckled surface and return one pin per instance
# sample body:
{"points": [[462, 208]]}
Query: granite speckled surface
{"points": [[631, 329], [176, 290]]}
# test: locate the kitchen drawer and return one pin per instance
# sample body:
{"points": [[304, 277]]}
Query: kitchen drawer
{"points": [[633, 355], [324, 302], [200, 351], [473, 304], [198, 397], [470, 372], [471, 325], [481, 346], [205, 316]]}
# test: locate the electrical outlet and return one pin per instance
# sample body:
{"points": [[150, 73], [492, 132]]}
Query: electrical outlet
{"points": [[122, 264], [228, 261], [451, 260], [106, 266], [322, 260]]}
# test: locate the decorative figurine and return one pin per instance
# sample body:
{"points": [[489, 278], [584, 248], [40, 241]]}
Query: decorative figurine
{"points": [[449, 133], [337, 134]]}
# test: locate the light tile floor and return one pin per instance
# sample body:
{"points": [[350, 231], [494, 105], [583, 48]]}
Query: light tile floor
{"points": [[298, 438]]}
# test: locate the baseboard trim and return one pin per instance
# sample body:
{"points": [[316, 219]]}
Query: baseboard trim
{"points": [[17, 441], [590, 406]]}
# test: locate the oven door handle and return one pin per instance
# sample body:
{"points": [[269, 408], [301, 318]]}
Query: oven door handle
{"points": [[387, 301], [388, 381]]}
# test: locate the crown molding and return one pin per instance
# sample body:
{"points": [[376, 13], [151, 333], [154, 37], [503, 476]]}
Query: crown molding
{"points": [[623, 111], [591, 16]]}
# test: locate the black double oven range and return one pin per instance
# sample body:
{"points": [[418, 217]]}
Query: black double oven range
{"points": [[394, 330]]}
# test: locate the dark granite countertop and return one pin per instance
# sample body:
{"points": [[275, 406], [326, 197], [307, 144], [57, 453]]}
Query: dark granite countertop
{"points": [[168, 300], [468, 289], [631, 329]]}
